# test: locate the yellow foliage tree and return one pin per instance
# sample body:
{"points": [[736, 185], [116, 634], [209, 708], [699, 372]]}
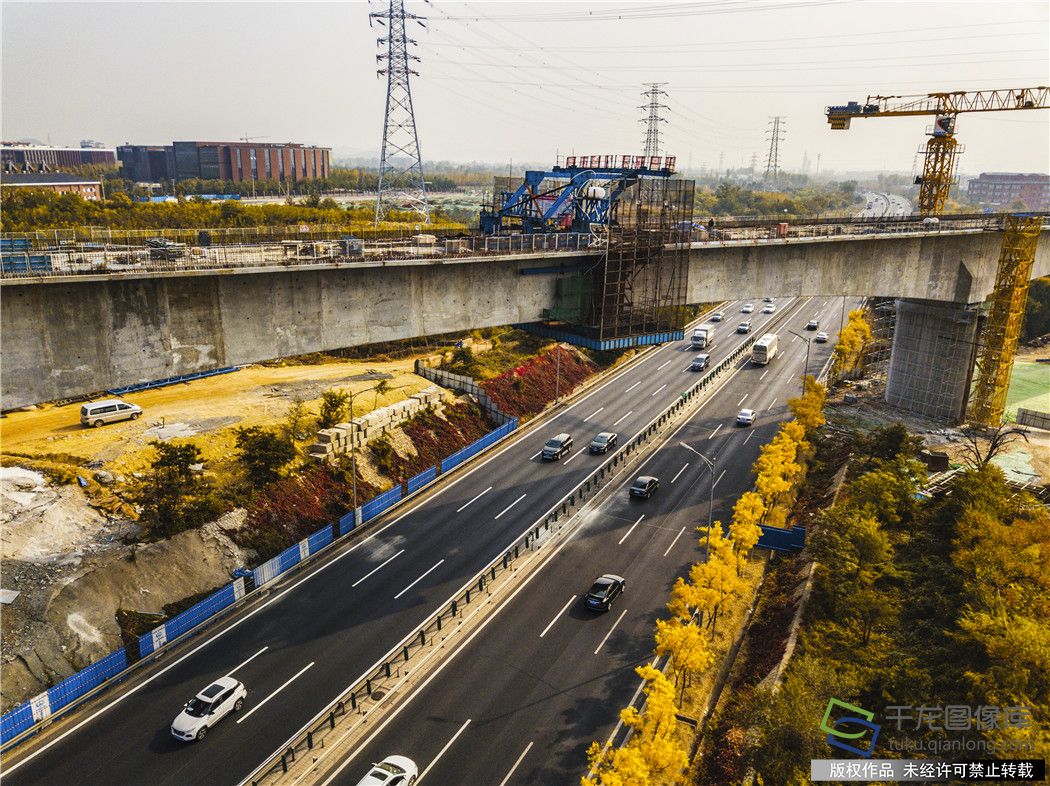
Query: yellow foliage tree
{"points": [[744, 532], [616, 766], [853, 339], [808, 408], [688, 649]]}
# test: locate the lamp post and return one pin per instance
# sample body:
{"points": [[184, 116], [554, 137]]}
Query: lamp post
{"points": [[805, 372], [711, 501]]}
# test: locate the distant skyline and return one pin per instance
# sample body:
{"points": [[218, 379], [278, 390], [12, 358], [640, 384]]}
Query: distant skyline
{"points": [[514, 82]]}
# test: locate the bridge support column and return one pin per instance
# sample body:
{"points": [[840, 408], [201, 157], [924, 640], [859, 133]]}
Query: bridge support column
{"points": [[932, 360]]}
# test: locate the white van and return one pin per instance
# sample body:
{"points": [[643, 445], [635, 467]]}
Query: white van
{"points": [[109, 411]]}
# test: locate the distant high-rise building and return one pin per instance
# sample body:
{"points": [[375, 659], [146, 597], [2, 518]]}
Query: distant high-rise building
{"points": [[1002, 189]]}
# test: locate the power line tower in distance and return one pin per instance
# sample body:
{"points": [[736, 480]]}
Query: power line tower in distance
{"points": [[652, 120], [400, 162], [775, 135]]}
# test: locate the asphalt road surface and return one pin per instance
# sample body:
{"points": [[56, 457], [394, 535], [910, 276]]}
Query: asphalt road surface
{"points": [[323, 628], [520, 702]]}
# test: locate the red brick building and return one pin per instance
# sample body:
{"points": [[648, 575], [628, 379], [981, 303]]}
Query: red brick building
{"points": [[246, 161], [1002, 189]]}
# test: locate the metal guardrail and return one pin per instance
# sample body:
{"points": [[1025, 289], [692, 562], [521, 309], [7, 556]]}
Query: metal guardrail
{"points": [[373, 685]]}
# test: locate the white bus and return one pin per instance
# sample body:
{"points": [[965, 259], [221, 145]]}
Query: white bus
{"points": [[765, 349]]}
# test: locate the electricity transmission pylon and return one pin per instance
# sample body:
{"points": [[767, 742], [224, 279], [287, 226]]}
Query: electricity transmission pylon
{"points": [[400, 162], [652, 120], [776, 136]]}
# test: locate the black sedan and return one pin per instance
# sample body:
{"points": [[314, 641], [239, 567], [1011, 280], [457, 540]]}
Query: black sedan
{"points": [[603, 442], [604, 591], [644, 486]]}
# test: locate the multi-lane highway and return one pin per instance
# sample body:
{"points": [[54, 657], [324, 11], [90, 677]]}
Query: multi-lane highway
{"points": [[520, 702], [880, 205], [315, 634]]}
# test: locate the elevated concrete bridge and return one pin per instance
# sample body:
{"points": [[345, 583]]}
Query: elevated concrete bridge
{"points": [[83, 331]]}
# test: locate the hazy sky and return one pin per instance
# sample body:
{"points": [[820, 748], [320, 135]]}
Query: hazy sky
{"points": [[524, 80]]}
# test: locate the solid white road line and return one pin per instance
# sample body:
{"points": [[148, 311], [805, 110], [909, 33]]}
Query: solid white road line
{"points": [[719, 478], [632, 387], [441, 752], [511, 505], [246, 662], [679, 472], [631, 529], [593, 414], [574, 455], [414, 583], [619, 723], [607, 635], [749, 435], [563, 608], [676, 537], [763, 375], [377, 568], [260, 705], [479, 496], [515, 765], [658, 368], [716, 431], [659, 388], [629, 413], [741, 400]]}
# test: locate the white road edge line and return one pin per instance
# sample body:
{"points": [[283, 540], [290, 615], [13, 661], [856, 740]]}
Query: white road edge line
{"points": [[659, 388], [260, 705], [441, 752], [479, 496], [423, 576], [631, 529], [244, 663], [511, 505], [510, 772], [619, 723], [676, 537], [680, 472], [716, 431], [377, 567], [551, 623], [629, 413], [593, 414], [607, 635], [632, 387]]}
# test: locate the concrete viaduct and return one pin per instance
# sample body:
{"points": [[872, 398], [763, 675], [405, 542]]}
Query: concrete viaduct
{"points": [[69, 335]]}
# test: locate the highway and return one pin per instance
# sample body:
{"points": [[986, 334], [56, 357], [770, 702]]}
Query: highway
{"points": [[520, 702], [314, 634], [880, 205]]}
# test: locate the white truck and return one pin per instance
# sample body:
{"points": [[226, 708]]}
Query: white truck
{"points": [[765, 349], [703, 337]]}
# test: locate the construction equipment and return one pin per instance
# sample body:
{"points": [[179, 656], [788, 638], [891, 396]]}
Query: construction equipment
{"points": [[942, 148]]}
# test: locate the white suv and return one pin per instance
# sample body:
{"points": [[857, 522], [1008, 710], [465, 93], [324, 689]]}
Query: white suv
{"points": [[207, 708]]}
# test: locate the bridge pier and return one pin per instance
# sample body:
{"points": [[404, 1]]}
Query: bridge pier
{"points": [[932, 359]]}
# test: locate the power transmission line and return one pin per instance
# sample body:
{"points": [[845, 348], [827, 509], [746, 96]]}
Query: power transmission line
{"points": [[775, 135], [652, 122], [399, 123]]}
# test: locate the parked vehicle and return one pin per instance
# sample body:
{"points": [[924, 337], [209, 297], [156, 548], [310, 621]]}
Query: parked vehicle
{"points": [[746, 417], [703, 337], [821, 337], [603, 442], [644, 486], [391, 771], [556, 447], [744, 327], [765, 349], [207, 708], [109, 411], [603, 592], [700, 362]]}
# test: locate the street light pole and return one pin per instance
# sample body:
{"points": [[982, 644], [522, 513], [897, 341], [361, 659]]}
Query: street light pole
{"points": [[805, 372], [711, 500]]}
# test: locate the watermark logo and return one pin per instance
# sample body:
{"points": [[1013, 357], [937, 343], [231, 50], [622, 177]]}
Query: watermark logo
{"points": [[848, 732]]}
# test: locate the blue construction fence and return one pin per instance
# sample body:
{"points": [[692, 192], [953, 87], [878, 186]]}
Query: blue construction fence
{"points": [[27, 715], [780, 539], [159, 383], [600, 345]]}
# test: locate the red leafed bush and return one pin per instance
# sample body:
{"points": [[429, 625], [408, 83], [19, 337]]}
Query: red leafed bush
{"points": [[528, 388], [436, 438]]}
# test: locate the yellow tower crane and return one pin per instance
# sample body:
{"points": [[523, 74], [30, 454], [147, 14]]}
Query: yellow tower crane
{"points": [[1003, 326]]}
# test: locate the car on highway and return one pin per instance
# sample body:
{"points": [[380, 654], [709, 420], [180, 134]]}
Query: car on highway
{"points": [[391, 771], [767, 300], [111, 410], [813, 324], [644, 486], [602, 442], [769, 308], [699, 362], [744, 327], [717, 316], [604, 591], [821, 337], [556, 447], [207, 708], [746, 417], [748, 308]]}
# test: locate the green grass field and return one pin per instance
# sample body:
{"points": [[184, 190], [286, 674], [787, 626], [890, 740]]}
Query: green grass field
{"points": [[1029, 388]]}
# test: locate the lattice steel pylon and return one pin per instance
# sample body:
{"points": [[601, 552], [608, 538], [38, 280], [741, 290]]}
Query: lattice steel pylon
{"points": [[1003, 327], [776, 136], [652, 120], [400, 139]]}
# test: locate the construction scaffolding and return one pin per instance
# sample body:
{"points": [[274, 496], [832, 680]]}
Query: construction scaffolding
{"points": [[883, 312], [1003, 326]]}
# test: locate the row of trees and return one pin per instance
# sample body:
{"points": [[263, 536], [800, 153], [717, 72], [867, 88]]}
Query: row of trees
{"points": [[730, 199], [656, 752], [854, 338]]}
